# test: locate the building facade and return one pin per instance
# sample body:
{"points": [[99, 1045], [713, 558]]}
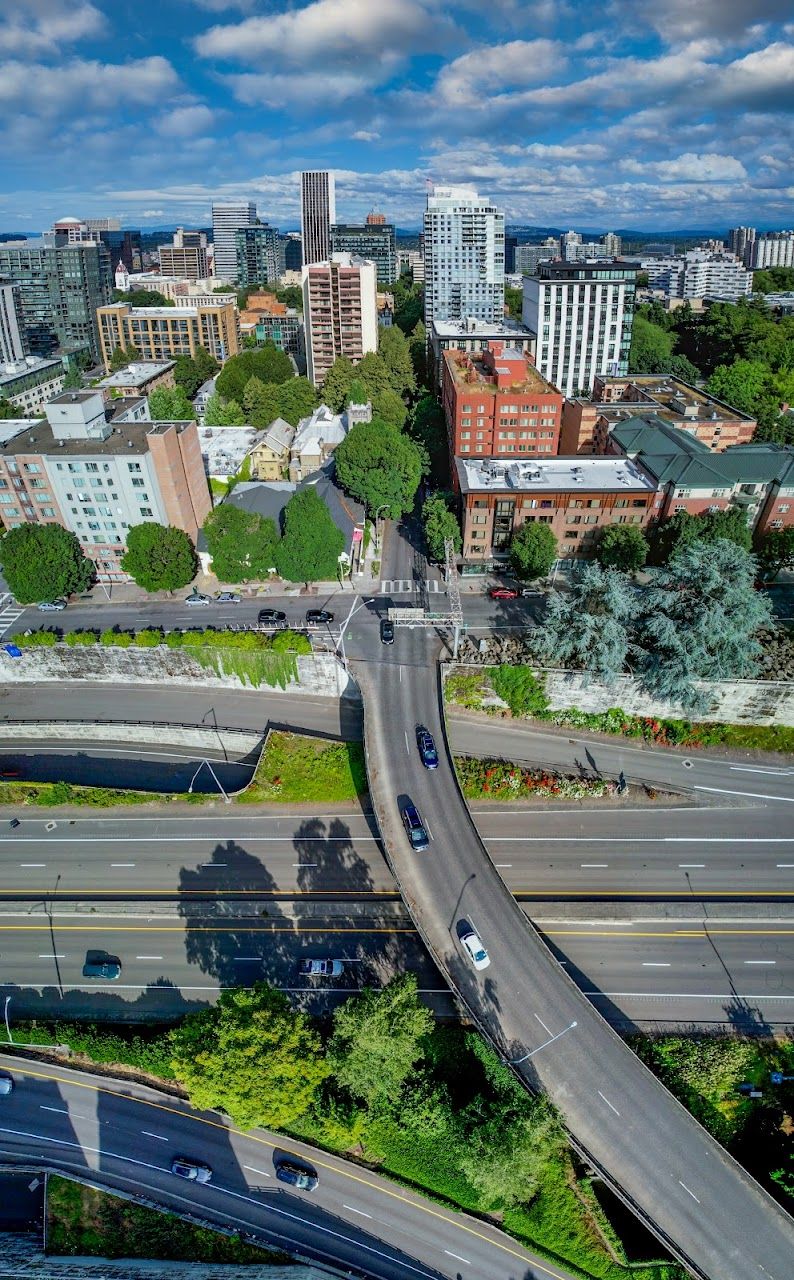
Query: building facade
{"points": [[268, 320], [528, 256], [581, 315], [226, 220], [740, 243], [260, 255], [186, 257], [464, 256], [30, 383], [372, 240], [497, 404], [340, 312], [140, 378], [472, 335], [318, 214], [293, 251], [774, 249], [60, 288], [163, 333], [14, 343]]}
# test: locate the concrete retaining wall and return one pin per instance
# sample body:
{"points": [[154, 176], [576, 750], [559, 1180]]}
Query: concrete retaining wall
{"points": [[234, 742]]}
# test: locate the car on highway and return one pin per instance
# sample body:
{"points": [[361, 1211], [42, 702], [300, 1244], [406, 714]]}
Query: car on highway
{"points": [[472, 943], [105, 967], [51, 606], [386, 631], [6, 1085], [427, 747], [197, 598], [414, 827], [191, 1170], [270, 617], [302, 1177], [321, 968], [316, 617], [227, 597]]}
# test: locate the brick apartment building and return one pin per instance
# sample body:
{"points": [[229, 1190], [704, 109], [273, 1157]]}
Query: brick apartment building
{"points": [[163, 333], [496, 403]]}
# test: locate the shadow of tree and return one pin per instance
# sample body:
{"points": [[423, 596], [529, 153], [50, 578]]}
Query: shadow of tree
{"points": [[328, 860]]}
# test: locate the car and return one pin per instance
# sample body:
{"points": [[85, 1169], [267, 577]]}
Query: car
{"points": [[13, 822], [386, 631], [227, 597], [6, 1085], [503, 593], [296, 1175], [427, 747], [108, 969], [413, 825], [51, 606], [321, 968], [472, 942], [192, 1170], [198, 598], [315, 617], [269, 617]]}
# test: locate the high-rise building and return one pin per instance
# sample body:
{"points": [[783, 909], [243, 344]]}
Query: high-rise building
{"points": [[496, 403], [186, 257], [340, 312], [581, 315], [14, 343], [372, 240], [464, 256], [60, 287], [226, 220], [103, 224], [740, 242], [70, 231], [528, 256], [569, 243], [318, 214], [293, 251], [260, 255], [773, 249], [163, 333], [612, 243]]}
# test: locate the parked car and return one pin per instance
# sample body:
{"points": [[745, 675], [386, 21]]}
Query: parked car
{"points": [[472, 943], [192, 1170], [386, 631], [227, 597], [51, 606], [315, 617], [6, 1085], [99, 966], [296, 1175], [198, 598], [270, 617], [413, 825], [503, 593], [321, 968], [427, 747]]}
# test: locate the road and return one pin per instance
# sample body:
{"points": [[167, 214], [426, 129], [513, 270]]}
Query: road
{"points": [[122, 1136]]}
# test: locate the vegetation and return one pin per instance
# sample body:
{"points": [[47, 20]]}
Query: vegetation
{"points": [[120, 357], [265, 401], [223, 413], [681, 530], [9, 410], [159, 557], [623, 547], [294, 769], [43, 562], [652, 350], [241, 543], [773, 280], [191, 372], [775, 551], [439, 524], [142, 298], [310, 548], [427, 428], [377, 1040], [170, 404], [533, 550], [588, 626], [408, 304], [497, 780], [380, 467], [266, 363]]}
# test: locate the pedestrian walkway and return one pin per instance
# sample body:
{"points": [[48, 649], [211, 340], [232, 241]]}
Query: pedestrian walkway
{"points": [[9, 612], [403, 586]]}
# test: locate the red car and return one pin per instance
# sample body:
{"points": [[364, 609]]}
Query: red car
{"points": [[503, 593]]}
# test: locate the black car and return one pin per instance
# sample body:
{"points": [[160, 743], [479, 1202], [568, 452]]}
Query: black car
{"points": [[386, 631], [296, 1175], [270, 617], [427, 748], [317, 616], [413, 826]]}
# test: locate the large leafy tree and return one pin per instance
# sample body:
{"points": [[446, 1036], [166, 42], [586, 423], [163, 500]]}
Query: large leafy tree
{"points": [[533, 550], [427, 427], [623, 547], [505, 1157], [9, 410], [242, 544], [252, 1056], [394, 350], [42, 562], [744, 384], [380, 467], [439, 524], [310, 548], [223, 413], [338, 381], [260, 402], [700, 616], [681, 530], [121, 357], [651, 346], [776, 551], [145, 298], [159, 557], [417, 343], [191, 372], [170, 404], [264, 402], [377, 1039], [266, 363], [588, 626], [390, 407], [408, 303]]}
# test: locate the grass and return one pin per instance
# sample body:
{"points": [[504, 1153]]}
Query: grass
{"points": [[295, 769], [48, 794], [496, 780]]}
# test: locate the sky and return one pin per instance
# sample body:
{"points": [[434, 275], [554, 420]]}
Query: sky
{"points": [[647, 114]]}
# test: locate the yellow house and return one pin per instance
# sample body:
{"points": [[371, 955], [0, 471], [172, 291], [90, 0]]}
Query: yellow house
{"points": [[270, 456]]}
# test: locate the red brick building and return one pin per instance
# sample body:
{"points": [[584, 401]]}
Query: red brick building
{"points": [[496, 404]]}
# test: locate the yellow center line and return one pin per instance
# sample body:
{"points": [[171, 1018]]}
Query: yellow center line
{"points": [[257, 926]]}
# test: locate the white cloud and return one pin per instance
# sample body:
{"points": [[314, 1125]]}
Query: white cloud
{"points": [[467, 80], [151, 213], [290, 90], [84, 84], [691, 167], [47, 25], [681, 20], [186, 122], [366, 135]]}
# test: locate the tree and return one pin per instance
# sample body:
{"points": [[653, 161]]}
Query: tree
{"points": [[504, 1159], [191, 372], [159, 557], [373, 373], [773, 280], [700, 615], [170, 404], [252, 1056], [266, 363], [296, 399], [408, 303], [73, 380], [42, 562], [418, 348], [9, 410], [776, 551], [380, 467], [395, 351], [121, 357], [377, 1039], [681, 530], [533, 550], [623, 547], [242, 544], [744, 385], [261, 402], [337, 383], [146, 298], [427, 427], [223, 413], [651, 347], [309, 550], [439, 523], [390, 407], [514, 301], [588, 625]]}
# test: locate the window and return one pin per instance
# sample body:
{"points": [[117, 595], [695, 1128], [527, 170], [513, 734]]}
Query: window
{"points": [[572, 535], [573, 520], [621, 502], [134, 467], [138, 483], [480, 502], [479, 519], [92, 466], [48, 511], [147, 511], [32, 468]]}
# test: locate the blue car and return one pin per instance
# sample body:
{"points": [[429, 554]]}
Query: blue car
{"points": [[427, 748], [414, 827]]}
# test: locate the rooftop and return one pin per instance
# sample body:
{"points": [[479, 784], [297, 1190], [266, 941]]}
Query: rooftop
{"points": [[675, 396], [473, 327], [124, 438], [472, 370], [155, 313], [676, 457], [138, 373], [553, 475], [31, 364]]}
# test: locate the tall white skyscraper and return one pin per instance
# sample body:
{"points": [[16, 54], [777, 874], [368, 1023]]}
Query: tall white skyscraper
{"points": [[226, 218], [318, 214], [13, 338], [464, 239]]}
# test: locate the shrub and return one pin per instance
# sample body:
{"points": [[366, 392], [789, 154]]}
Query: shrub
{"points": [[290, 642], [148, 639], [73, 638], [520, 688], [37, 640], [117, 639]]}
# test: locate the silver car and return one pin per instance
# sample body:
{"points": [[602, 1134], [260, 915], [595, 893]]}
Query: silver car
{"points": [[51, 606], [198, 598]]}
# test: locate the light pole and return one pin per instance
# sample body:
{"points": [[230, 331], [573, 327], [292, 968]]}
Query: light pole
{"points": [[61, 1048], [215, 776], [342, 565], [5, 1015], [514, 1062], [384, 506]]}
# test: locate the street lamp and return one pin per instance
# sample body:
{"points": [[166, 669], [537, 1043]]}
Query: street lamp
{"points": [[384, 506], [5, 1015], [60, 1048], [215, 776]]}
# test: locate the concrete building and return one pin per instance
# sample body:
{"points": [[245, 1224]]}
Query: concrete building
{"points": [[612, 245], [224, 449], [373, 241], [60, 288], [464, 253], [293, 251], [773, 249], [528, 256], [268, 320], [472, 335], [587, 422], [260, 255], [163, 333], [14, 343], [318, 215], [340, 312], [581, 315], [226, 220], [31, 383], [496, 403], [705, 274], [138, 379], [186, 257], [740, 243]]}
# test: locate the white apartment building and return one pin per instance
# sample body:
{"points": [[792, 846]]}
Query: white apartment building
{"points": [[13, 337], [741, 241], [581, 316], [318, 214], [464, 247], [340, 312], [774, 249], [700, 273], [226, 218], [31, 383]]}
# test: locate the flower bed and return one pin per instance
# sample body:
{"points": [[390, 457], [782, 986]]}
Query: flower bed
{"points": [[498, 780]]}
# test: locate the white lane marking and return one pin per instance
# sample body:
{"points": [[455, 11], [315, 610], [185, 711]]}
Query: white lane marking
{"points": [[543, 1024], [148, 957], [261, 1172], [686, 1188], [32, 864], [213, 864], [53, 955], [594, 864], [609, 1104], [352, 1209], [683, 865], [754, 768], [760, 961], [122, 864], [780, 865], [495, 813], [158, 1136], [401, 674], [407, 748], [668, 995], [656, 964], [62, 1111], [427, 829], [457, 1257], [750, 795], [305, 864], [503, 864], [240, 959]]}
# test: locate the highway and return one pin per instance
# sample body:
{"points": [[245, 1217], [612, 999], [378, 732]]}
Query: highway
{"points": [[122, 1136]]}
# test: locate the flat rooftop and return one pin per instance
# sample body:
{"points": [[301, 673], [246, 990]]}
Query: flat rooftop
{"points": [[530, 379], [14, 369], [472, 328], [138, 373], [552, 475], [155, 313], [125, 438], [671, 393]]}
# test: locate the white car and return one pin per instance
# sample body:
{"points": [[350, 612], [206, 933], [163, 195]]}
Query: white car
{"points": [[51, 606], [321, 968], [198, 598], [477, 953]]}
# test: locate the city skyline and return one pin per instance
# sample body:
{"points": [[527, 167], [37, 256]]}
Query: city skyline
{"points": [[648, 116]]}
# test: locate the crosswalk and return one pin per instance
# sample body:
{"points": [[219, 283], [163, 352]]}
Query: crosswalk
{"points": [[403, 586], [9, 612]]}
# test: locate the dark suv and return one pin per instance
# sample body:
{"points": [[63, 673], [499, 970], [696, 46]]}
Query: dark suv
{"points": [[315, 617], [414, 827]]}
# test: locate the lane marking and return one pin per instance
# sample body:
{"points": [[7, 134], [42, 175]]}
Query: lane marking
{"points": [[62, 1111], [53, 955], [148, 957], [682, 865], [122, 864], [503, 864], [305, 864], [407, 748], [760, 961], [543, 1024], [158, 1136], [32, 864], [656, 964], [686, 1188], [609, 1104], [750, 795], [585, 865], [204, 865], [352, 1209], [262, 1173], [457, 1257]]}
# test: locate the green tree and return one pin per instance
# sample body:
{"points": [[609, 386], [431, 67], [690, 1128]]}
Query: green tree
{"points": [[296, 399], [427, 427], [390, 407], [159, 557], [252, 1056], [9, 410], [73, 380], [261, 402], [266, 363], [338, 381], [146, 298], [377, 1039], [42, 562], [588, 625], [223, 413], [418, 348], [514, 301], [394, 350], [309, 550], [170, 404], [121, 357], [775, 552], [774, 280], [533, 550], [408, 303], [623, 547], [651, 347], [744, 385], [379, 467], [242, 544], [191, 372], [439, 524], [504, 1159], [671, 536]]}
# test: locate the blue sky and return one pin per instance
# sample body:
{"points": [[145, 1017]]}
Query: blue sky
{"points": [[640, 113]]}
